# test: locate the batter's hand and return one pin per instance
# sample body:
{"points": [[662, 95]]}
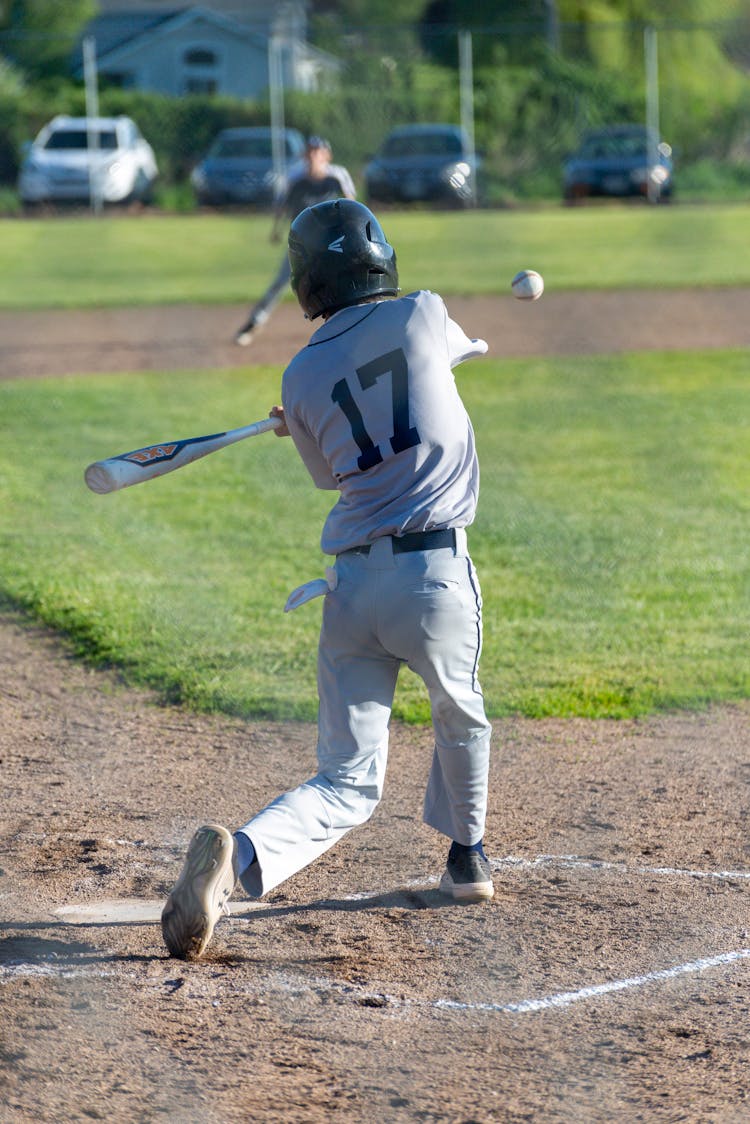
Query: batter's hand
{"points": [[278, 412]]}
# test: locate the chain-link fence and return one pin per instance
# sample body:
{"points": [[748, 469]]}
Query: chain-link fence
{"points": [[534, 96], [524, 93]]}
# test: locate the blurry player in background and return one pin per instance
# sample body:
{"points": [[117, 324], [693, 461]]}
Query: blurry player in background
{"points": [[315, 182]]}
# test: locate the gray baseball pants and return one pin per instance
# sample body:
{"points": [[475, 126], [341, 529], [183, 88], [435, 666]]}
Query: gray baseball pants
{"points": [[273, 294], [423, 609]]}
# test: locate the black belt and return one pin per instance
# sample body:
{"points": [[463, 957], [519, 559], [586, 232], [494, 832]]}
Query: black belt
{"points": [[415, 540]]}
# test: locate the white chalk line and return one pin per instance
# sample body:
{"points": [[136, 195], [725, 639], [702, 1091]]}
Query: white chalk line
{"points": [[572, 861], [524, 1006], [11, 972], [544, 1002], [603, 864], [22, 970], [566, 998], [146, 910]]}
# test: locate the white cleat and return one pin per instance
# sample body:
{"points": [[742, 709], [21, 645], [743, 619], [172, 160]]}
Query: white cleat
{"points": [[201, 894]]}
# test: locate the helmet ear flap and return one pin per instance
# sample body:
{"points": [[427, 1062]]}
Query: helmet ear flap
{"points": [[339, 255]]}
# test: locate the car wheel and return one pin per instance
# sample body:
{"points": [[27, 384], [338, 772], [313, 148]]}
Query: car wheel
{"points": [[456, 202], [575, 194], [375, 197], [39, 207], [141, 192]]}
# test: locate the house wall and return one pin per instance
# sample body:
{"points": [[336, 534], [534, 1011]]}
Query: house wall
{"points": [[160, 63]]}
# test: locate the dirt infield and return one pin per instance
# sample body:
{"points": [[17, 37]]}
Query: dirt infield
{"points": [[70, 342], [355, 991], [607, 980]]}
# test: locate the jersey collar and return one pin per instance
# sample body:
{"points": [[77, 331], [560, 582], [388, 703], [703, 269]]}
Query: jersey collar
{"points": [[343, 320]]}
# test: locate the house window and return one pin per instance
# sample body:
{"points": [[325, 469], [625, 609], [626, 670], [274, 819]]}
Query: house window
{"points": [[124, 80], [200, 57], [200, 71], [195, 85]]}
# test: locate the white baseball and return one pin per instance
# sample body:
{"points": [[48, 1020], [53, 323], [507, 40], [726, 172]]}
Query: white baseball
{"points": [[528, 285]]}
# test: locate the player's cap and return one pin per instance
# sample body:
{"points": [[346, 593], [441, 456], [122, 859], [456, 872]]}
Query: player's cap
{"points": [[316, 141]]}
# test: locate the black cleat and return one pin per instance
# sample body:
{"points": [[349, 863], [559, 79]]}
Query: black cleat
{"points": [[467, 876]]}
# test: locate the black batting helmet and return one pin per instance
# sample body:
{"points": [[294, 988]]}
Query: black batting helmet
{"points": [[339, 255]]}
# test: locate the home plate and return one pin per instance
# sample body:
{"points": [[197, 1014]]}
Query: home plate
{"points": [[122, 910]]}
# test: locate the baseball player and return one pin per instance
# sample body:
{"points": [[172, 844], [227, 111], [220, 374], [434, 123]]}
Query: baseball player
{"points": [[372, 406], [318, 179]]}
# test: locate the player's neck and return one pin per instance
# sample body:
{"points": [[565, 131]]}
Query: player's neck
{"points": [[376, 298]]}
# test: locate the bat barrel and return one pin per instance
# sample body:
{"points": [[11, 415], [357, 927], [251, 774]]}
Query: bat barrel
{"points": [[99, 479], [156, 460]]}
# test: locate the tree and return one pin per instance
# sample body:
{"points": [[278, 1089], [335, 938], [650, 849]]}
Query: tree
{"points": [[517, 27], [360, 13], [39, 35]]}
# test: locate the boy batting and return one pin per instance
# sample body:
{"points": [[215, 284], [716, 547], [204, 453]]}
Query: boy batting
{"points": [[372, 407]]}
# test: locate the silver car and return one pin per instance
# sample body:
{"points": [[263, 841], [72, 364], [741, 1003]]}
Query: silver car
{"points": [[75, 159]]}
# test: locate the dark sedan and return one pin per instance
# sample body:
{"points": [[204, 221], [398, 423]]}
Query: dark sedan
{"points": [[423, 163], [619, 161], [239, 167]]}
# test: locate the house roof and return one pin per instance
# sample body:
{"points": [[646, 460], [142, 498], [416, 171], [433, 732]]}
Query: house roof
{"points": [[115, 31], [252, 11]]}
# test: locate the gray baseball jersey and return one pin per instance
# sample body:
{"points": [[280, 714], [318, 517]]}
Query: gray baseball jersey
{"points": [[387, 428]]}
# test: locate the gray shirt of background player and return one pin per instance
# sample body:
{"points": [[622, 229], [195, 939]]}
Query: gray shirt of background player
{"points": [[373, 409]]}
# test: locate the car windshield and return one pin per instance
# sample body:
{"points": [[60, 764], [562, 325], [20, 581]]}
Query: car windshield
{"points": [[253, 147], [78, 138], [623, 144], [423, 144], [243, 146]]}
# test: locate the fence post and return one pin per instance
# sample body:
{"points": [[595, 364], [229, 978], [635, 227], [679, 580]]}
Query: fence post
{"points": [[466, 89], [651, 59], [276, 100], [92, 111]]}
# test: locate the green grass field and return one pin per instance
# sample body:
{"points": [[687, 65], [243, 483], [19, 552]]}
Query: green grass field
{"points": [[114, 261], [610, 540]]}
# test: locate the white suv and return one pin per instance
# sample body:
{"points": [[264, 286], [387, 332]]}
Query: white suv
{"points": [[80, 158]]}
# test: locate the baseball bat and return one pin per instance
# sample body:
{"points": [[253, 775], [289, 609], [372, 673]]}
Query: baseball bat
{"points": [[155, 460]]}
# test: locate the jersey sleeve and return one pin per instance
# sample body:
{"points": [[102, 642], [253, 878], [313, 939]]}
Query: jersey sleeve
{"points": [[460, 346], [347, 183]]}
